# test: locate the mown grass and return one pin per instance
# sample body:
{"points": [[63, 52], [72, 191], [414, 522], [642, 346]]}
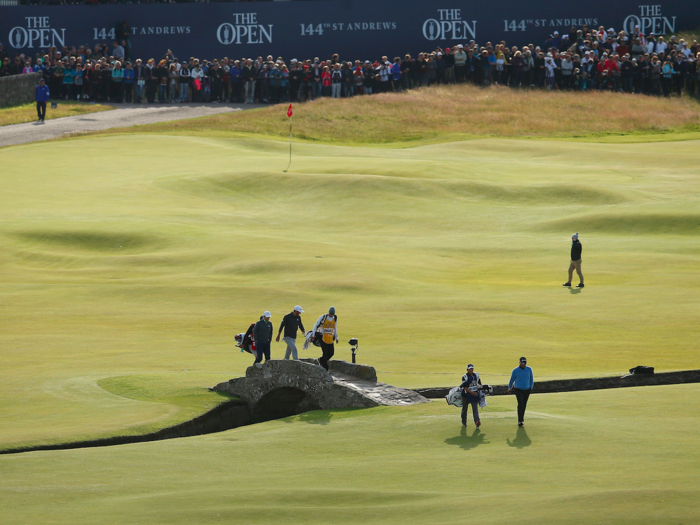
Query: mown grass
{"points": [[27, 112], [457, 112], [125, 281], [582, 457]]}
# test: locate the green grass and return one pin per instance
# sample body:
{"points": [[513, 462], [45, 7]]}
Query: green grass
{"points": [[27, 112], [124, 282], [614, 457]]}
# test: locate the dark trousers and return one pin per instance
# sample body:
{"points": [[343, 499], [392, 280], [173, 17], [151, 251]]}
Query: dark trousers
{"points": [[466, 401], [262, 349], [328, 351], [522, 397], [41, 110]]}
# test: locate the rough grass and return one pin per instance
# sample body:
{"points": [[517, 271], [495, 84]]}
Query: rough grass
{"points": [[27, 112], [453, 112], [582, 458]]}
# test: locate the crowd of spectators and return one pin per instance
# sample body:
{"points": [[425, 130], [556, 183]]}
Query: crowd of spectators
{"points": [[585, 59]]}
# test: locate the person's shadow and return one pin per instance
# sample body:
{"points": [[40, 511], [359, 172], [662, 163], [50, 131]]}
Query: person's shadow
{"points": [[468, 442], [521, 439], [574, 291]]}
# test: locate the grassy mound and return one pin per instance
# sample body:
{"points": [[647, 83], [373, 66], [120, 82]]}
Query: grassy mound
{"points": [[631, 223], [454, 112], [582, 457]]}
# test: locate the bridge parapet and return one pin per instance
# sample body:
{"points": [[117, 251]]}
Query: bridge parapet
{"points": [[280, 388]]}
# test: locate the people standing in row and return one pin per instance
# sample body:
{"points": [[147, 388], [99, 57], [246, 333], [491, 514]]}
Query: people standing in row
{"points": [[470, 395], [576, 249], [291, 323], [262, 334], [521, 382], [327, 324]]}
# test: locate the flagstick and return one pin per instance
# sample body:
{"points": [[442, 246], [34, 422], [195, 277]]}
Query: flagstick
{"points": [[290, 144]]}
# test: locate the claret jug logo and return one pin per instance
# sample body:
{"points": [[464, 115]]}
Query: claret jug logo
{"points": [[650, 20], [244, 30], [37, 33], [449, 25]]}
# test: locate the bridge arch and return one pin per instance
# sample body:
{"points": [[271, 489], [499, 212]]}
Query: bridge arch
{"points": [[283, 401]]}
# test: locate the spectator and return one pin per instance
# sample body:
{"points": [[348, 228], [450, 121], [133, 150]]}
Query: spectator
{"points": [[262, 334], [460, 61], [139, 80], [173, 83], [117, 82], [129, 76], [185, 80], [249, 77], [118, 51]]}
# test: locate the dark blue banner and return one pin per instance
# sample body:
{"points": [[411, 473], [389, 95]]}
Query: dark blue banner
{"points": [[356, 29]]}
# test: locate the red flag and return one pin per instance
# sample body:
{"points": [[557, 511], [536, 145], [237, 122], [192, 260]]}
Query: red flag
{"points": [[289, 111]]}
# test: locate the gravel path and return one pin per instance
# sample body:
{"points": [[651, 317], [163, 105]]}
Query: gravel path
{"points": [[123, 115]]}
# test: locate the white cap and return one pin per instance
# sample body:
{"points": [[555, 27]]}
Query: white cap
{"points": [[267, 314], [556, 32], [298, 308], [460, 46], [611, 30]]}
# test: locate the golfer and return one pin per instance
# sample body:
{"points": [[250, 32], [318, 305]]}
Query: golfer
{"points": [[291, 323], [41, 96], [576, 248], [327, 324], [262, 334], [521, 383], [470, 395]]}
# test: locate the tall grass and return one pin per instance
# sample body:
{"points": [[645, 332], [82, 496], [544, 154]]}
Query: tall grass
{"points": [[428, 113]]}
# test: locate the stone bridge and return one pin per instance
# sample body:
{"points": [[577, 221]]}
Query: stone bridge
{"points": [[281, 388]]}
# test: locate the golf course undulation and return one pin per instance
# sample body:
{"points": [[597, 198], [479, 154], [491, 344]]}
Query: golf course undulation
{"points": [[130, 260]]}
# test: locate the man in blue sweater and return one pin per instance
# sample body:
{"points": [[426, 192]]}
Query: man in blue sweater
{"points": [[521, 383], [42, 97]]}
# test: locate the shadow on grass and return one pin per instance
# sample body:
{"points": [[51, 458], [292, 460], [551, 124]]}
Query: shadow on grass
{"points": [[574, 291], [467, 442], [319, 417], [521, 439]]}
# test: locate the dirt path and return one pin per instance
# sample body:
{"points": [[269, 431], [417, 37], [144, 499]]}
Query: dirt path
{"points": [[123, 115]]}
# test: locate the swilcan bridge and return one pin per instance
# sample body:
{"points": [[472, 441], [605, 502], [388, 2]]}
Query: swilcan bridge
{"points": [[281, 388]]}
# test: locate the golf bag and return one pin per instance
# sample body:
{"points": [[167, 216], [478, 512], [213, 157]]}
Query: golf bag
{"points": [[454, 397], [246, 342]]}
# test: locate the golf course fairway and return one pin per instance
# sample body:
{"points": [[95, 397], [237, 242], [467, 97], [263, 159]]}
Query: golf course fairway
{"points": [[129, 262], [626, 456]]}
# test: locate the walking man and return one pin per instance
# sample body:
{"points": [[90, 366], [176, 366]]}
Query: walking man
{"points": [[470, 395], [262, 335], [576, 248], [327, 324], [291, 323], [521, 383], [42, 97]]}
